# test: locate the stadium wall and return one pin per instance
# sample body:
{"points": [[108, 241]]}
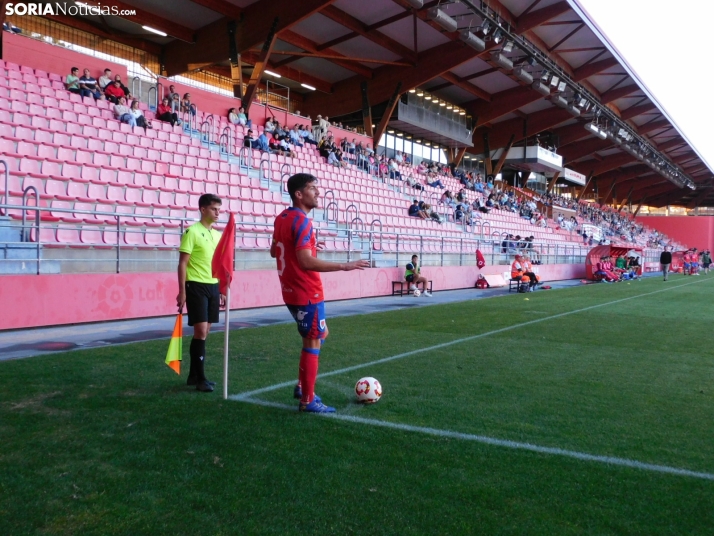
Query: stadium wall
{"points": [[695, 231], [48, 300], [54, 59]]}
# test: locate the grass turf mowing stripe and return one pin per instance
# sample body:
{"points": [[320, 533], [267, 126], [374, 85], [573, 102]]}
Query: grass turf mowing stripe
{"points": [[583, 456], [248, 394]]}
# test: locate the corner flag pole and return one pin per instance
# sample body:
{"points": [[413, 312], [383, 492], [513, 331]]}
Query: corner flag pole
{"points": [[225, 343], [222, 268]]}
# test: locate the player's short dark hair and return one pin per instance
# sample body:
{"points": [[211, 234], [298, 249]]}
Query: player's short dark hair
{"points": [[206, 200], [298, 181], [415, 256]]}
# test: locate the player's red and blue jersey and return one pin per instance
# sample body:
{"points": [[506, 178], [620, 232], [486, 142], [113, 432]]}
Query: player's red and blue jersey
{"points": [[293, 232]]}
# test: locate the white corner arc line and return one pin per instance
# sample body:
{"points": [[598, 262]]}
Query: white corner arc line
{"points": [[249, 394], [515, 445]]}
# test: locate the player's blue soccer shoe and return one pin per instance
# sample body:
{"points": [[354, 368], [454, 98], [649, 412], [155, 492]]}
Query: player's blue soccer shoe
{"points": [[316, 406], [297, 393]]}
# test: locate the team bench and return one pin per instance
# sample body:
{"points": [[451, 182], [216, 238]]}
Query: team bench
{"points": [[398, 287]]}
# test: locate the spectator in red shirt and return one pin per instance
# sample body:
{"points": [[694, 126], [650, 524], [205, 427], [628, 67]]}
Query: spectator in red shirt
{"points": [[114, 92], [164, 113]]}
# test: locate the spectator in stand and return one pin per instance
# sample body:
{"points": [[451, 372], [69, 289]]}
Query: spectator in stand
{"points": [[164, 113], [139, 116], [413, 276], [435, 184], [72, 81], [105, 79], [88, 86], [294, 136], [187, 107], [233, 117], [447, 198], [262, 143], [307, 136], [335, 158], [480, 205], [269, 126], [416, 212], [114, 92], [125, 89], [394, 170], [123, 113], [249, 140], [279, 131], [414, 184], [324, 125], [175, 99], [243, 119]]}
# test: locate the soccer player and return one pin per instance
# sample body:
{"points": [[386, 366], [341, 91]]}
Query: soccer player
{"points": [[687, 261], [294, 248], [413, 276], [198, 289]]}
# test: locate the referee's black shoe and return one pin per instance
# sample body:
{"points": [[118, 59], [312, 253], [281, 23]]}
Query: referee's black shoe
{"points": [[204, 387], [194, 381]]}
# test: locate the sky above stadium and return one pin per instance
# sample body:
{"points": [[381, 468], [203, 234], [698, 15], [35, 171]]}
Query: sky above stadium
{"points": [[665, 43]]}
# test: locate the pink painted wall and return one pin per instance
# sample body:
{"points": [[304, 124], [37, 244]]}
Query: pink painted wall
{"points": [[78, 298], [694, 231], [54, 59]]}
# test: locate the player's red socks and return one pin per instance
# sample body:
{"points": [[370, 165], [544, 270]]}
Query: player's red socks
{"points": [[309, 358]]}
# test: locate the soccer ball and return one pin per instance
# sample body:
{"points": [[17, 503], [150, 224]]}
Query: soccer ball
{"points": [[368, 390], [417, 292]]}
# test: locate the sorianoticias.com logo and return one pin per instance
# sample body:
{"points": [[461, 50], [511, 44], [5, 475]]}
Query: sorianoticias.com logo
{"points": [[64, 8]]}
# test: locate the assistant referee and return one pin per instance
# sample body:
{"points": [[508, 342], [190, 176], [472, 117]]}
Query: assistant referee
{"points": [[198, 289]]}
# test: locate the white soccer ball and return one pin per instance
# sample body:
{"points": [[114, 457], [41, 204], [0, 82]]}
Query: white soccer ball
{"points": [[417, 293], [368, 390]]}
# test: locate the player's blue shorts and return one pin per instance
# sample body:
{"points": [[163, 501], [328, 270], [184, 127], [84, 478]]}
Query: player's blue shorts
{"points": [[310, 318], [686, 265]]}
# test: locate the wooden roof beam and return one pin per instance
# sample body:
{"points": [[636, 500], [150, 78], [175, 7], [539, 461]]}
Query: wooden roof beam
{"points": [[357, 26], [211, 42]]}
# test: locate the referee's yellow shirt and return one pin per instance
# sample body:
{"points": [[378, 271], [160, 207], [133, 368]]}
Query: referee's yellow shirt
{"points": [[200, 243]]}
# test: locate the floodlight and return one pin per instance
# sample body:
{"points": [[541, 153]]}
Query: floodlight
{"points": [[471, 40], [541, 88], [442, 19], [523, 75], [595, 129], [501, 61]]}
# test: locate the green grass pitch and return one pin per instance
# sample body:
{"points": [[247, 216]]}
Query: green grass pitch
{"points": [[110, 441]]}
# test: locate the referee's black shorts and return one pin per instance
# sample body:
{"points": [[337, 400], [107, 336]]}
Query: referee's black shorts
{"points": [[203, 302]]}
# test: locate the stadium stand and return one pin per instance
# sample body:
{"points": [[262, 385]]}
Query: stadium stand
{"points": [[121, 196]]}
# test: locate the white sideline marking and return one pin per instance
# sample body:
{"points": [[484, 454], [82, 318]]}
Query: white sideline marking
{"points": [[249, 394], [583, 456]]}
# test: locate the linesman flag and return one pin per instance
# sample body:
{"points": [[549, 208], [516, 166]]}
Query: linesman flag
{"points": [[173, 356], [222, 264], [480, 260]]}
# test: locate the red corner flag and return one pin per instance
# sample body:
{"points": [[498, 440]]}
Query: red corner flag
{"points": [[480, 261], [222, 264]]}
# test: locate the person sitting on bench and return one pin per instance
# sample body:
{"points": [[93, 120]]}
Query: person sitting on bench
{"points": [[413, 276], [518, 274]]}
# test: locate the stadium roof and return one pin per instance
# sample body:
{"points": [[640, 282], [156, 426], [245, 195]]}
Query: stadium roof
{"points": [[336, 45]]}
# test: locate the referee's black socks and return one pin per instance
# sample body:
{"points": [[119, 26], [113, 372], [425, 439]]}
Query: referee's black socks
{"points": [[198, 355]]}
